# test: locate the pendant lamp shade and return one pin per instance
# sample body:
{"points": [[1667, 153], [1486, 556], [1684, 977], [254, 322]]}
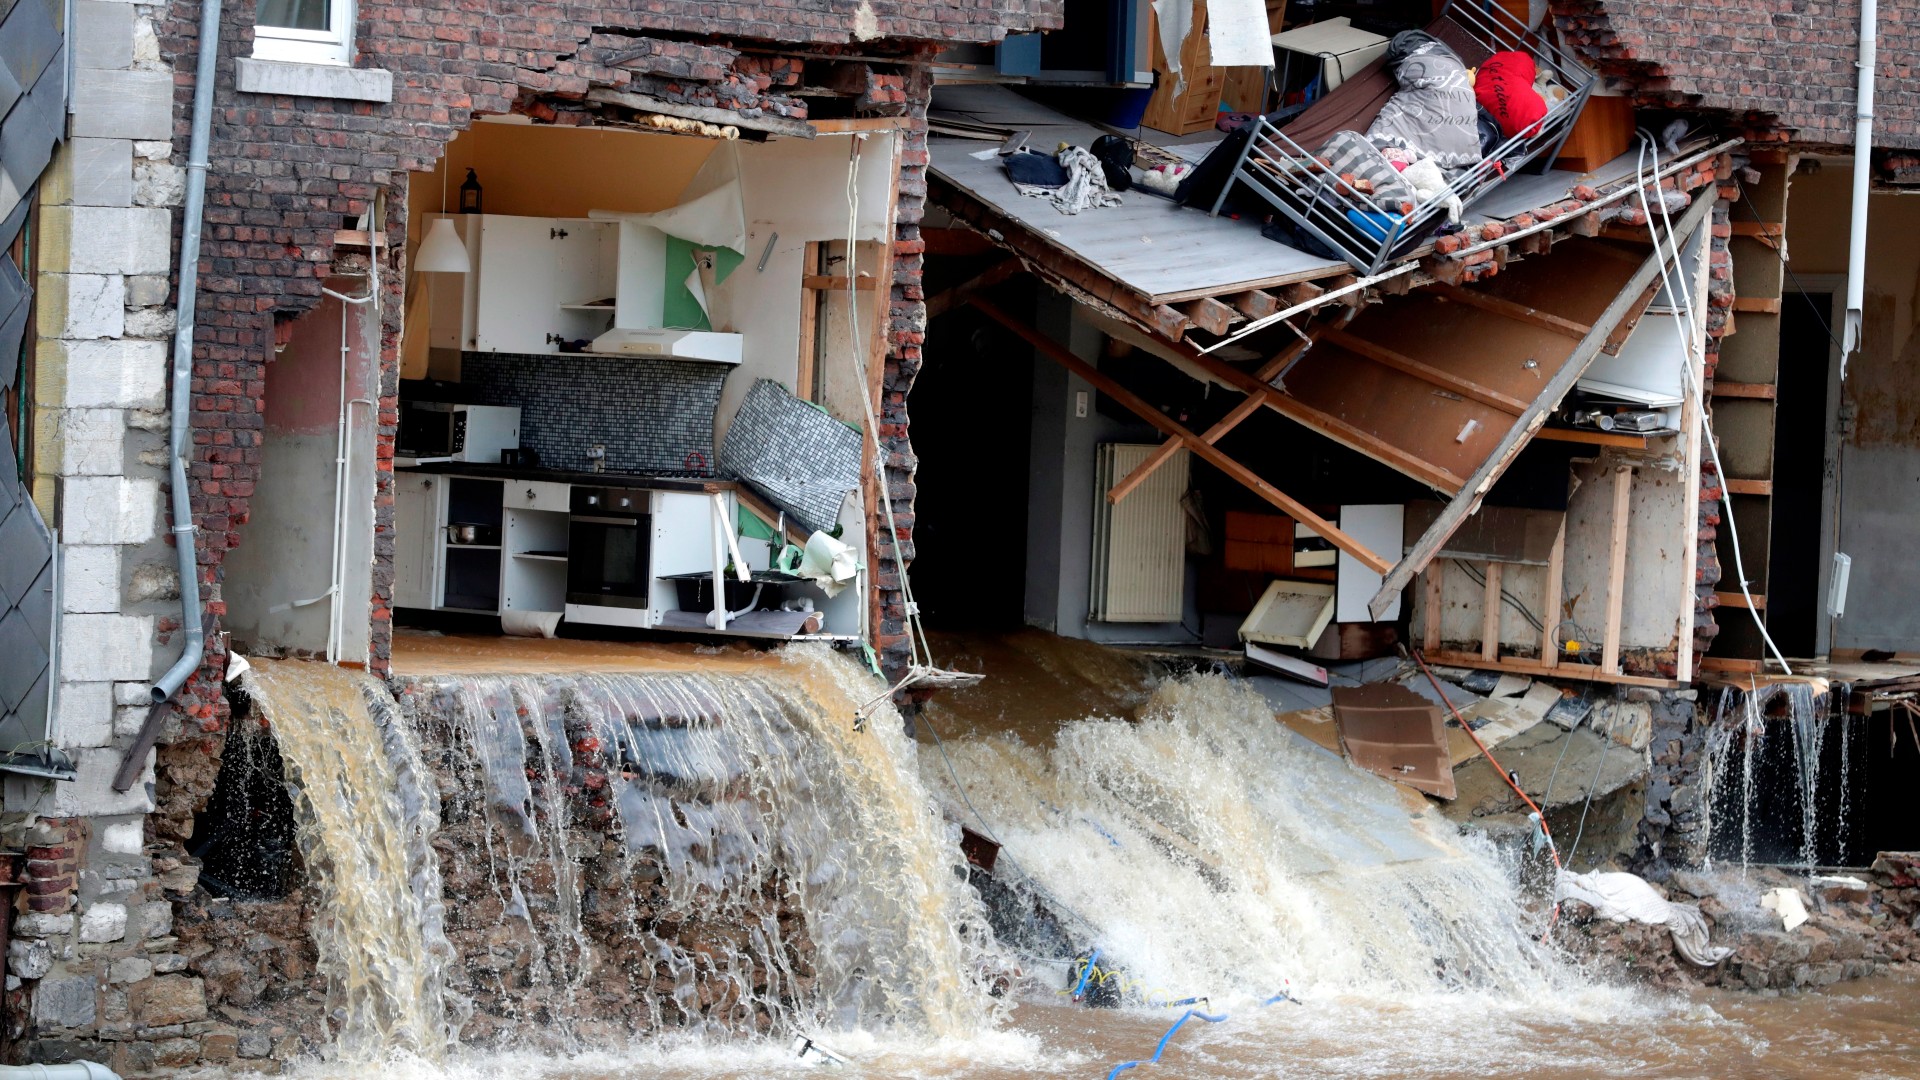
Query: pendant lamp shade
{"points": [[442, 252]]}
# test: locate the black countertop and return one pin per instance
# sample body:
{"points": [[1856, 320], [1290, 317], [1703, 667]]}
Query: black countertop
{"points": [[488, 471]]}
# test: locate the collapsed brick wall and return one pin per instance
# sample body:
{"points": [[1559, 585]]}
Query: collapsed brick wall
{"points": [[287, 173], [1775, 68]]}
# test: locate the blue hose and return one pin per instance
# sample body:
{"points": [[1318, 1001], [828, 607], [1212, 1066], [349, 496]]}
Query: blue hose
{"points": [[1087, 974], [1160, 1049]]}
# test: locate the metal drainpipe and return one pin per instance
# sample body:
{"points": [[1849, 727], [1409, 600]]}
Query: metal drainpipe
{"points": [[1862, 174], [181, 404]]}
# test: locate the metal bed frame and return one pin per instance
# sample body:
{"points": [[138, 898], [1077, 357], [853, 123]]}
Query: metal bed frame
{"points": [[1290, 177]]}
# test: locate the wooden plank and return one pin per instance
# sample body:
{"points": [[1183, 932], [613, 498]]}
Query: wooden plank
{"points": [[1556, 571], [1516, 666], [1436, 591], [1340, 281], [1253, 403], [1255, 303], [1731, 665], [1507, 309], [828, 282], [943, 301], [359, 238], [1490, 614], [809, 326], [1632, 299], [1332, 427], [1761, 391], [1592, 438], [1773, 229], [1737, 486], [1765, 305], [1616, 568], [1061, 355], [864, 123], [1300, 292], [1739, 600], [1466, 388], [1209, 314]]}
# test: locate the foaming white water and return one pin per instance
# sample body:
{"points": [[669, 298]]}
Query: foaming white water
{"points": [[644, 837], [364, 823], [1207, 850]]}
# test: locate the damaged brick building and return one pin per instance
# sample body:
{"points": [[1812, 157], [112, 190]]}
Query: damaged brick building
{"points": [[330, 147]]}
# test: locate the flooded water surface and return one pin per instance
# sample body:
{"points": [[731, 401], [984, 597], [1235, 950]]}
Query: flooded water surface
{"points": [[1207, 859]]}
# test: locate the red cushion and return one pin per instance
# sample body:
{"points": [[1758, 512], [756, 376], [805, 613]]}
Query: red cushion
{"points": [[1505, 87]]}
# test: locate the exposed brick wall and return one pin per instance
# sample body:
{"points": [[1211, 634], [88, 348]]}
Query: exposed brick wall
{"points": [[286, 173], [1783, 66]]}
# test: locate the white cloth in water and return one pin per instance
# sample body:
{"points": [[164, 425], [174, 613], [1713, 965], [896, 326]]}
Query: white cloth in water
{"points": [[1619, 897], [1086, 184]]}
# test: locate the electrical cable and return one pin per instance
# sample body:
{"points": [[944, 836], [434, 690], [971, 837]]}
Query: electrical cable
{"points": [[1512, 601], [1605, 745], [1685, 295]]}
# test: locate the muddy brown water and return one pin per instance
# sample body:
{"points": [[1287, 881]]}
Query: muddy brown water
{"points": [[1866, 1029]]}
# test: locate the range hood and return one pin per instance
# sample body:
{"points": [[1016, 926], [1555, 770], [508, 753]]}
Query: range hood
{"points": [[705, 345]]}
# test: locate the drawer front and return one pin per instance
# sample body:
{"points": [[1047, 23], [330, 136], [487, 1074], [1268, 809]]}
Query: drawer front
{"points": [[536, 495]]}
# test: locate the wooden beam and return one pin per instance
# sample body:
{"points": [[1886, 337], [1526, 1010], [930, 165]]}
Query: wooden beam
{"points": [[830, 283], [1209, 314], [1063, 356], [863, 123], [1255, 303], [1739, 600], [1731, 665], [1251, 404], [1632, 299], [1761, 391], [1759, 228], [1300, 292], [1587, 224], [1466, 388], [1764, 305], [1737, 486], [1516, 666], [1626, 327], [1507, 309], [941, 302], [809, 326], [956, 242], [1593, 438], [1490, 614], [1352, 299], [1436, 603], [1332, 427], [1556, 570], [1616, 569]]}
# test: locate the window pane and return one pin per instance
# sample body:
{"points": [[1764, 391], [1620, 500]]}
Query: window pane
{"points": [[296, 14]]}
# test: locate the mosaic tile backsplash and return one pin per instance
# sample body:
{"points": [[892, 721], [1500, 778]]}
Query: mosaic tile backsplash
{"points": [[653, 416]]}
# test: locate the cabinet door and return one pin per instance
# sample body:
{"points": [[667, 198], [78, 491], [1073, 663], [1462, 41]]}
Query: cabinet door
{"points": [[518, 303], [454, 297], [416, 540]]}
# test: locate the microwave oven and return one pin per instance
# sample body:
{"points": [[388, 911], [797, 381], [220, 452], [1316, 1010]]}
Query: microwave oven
{"points": [[443, 431]]}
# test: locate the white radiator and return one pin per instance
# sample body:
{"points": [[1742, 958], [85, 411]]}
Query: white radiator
{"points": [[1139, 545]]}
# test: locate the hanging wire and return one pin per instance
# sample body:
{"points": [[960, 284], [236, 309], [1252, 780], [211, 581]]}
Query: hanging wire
{"points": [[1685, 296]]}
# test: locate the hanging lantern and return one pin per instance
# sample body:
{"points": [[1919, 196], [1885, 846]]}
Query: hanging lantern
{"points": [[470, 194]]}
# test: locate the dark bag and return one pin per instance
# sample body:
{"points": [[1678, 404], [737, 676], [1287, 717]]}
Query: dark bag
{"points": [[1116, 160]]}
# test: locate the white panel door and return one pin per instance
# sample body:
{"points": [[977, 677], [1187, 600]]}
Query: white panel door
{"points": [[1381, 528], [416, 539]]}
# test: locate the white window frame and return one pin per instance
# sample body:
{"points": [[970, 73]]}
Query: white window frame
{"points": [[334, 45]]}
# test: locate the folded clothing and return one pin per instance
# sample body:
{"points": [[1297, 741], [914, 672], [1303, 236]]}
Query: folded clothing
{"points": [[1505, 88]]}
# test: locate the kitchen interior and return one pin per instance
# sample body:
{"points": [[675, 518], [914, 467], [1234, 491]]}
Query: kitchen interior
{"points": [[631, 382]]}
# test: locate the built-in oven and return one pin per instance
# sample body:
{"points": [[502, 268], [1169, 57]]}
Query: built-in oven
{"points": [[609, 538]]}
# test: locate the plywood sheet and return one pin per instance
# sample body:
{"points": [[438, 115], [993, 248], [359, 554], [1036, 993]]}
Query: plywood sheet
{"points": [[1147, 244]]}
